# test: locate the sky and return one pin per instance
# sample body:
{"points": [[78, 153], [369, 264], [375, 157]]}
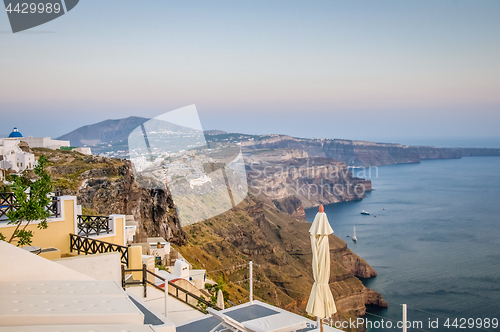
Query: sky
{"points": [[393, 71]]}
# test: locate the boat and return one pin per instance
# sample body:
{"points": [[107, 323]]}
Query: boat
{"points": [[365, 213], [354, 238]]}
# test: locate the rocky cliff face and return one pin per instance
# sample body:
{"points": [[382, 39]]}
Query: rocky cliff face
{"points": [[106, 186], [312, 181], [356, 265], [280, 246]]}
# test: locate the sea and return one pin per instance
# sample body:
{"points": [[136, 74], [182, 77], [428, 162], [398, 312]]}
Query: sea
{"points": [[433, 236]]}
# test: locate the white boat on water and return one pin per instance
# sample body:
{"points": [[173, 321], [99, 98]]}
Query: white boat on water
{"points": [[354, 238], [365, 213]]}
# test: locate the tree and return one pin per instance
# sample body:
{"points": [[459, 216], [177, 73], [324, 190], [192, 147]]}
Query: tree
{"points": [[221, 284], [32, 199]]}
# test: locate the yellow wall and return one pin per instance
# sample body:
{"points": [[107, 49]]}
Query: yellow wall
{"points": [[51, 255], [119, 233], [57, 233], [135, 261]]}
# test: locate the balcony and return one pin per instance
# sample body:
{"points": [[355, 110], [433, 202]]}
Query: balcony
{"points": [[89, 246], [63, 221], [8, 203], [94, 225]]}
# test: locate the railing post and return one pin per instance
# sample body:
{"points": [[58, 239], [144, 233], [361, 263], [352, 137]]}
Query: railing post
{"points": [[70, 243], [404, 318], [166, 298], [144, 278], [123, 276]]}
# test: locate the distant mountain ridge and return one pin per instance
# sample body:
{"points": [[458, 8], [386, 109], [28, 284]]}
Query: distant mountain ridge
{"points": [[108, 131], [103, 132], [364, 153], [353, 153]]}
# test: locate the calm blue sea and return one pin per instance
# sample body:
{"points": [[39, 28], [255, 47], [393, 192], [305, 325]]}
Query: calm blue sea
{"points": [[436, 246]]}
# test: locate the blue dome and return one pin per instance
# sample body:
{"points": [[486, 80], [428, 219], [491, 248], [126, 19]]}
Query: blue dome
{"points": [[15, 133]]}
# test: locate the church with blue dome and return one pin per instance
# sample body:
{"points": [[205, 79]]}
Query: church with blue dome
{"points": [[15, 133], [41, 142]]}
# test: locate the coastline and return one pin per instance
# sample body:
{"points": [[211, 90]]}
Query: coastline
{"points": [[420, 260]]}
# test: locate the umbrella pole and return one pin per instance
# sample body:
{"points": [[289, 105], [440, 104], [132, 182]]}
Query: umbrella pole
{"points": [[320, 325]]}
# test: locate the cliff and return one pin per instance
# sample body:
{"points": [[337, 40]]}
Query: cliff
{"points": [[362, 153], [312, 181], [106, 186], [279, 245]]}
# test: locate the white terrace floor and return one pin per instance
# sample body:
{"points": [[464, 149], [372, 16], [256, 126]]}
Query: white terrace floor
{"points": [[39, 295], [178, 312]]}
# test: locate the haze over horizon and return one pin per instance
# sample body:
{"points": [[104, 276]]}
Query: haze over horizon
{"points": [[387, 71]]}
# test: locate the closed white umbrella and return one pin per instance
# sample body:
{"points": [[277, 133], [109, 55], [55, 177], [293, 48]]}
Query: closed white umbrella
{"points": [[220, 299], [321, 303]]}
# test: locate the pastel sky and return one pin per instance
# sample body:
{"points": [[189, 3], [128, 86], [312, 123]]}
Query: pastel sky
{"points": [[375, 70]]}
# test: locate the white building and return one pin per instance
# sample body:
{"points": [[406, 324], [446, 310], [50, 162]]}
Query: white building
{"points": [[159, 248], [84, 150], [130, 228], [13, 158], [38, 142], [44, 142]]}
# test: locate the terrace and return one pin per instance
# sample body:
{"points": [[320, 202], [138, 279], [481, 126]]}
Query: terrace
{"points": [[96, 282], [8, 203], [69, 233]]}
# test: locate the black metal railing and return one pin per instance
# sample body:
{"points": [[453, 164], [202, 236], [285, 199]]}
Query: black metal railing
{"points": [[8, 203], [53, 207], [178, 292], [93, 225], [86, 245]]}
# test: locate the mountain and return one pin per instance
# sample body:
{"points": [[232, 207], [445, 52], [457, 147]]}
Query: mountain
{"points": [[109, 131], [110, 138], [103, 132]]}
